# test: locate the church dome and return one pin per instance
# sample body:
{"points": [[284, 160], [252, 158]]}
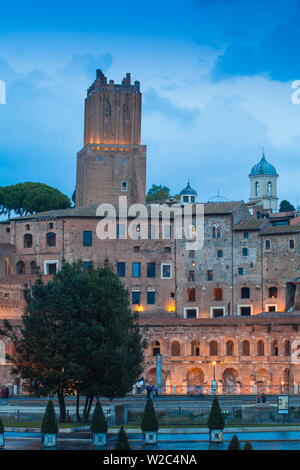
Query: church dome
{"points": [[188, 191], [263, 168]]}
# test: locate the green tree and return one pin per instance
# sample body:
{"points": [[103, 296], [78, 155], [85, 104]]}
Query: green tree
{"points": [[78, 335], [215, 418], [122, 441], [248, 446], [286, 206], [99, 423], [149, 420], [31, 198], [49, 423], [1, 426], [234, 444], [158, 192]]}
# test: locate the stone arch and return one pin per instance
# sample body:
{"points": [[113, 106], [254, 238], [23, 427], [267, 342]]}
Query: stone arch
{"points": [[230, 379], [229, 348], [175, 348], [195, 380], [20, 267], [151, 376], [262, 377]]}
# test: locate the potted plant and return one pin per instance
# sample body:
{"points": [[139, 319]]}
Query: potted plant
{"points": [[122, 441], [49, 427], [99, 426], [149, 424], [2, 442], [215, 422]]}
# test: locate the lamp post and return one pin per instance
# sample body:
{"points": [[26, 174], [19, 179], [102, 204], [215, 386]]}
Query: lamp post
{"points": [[214, 382]]}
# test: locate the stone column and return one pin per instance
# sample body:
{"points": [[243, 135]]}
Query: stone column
{"points": [[158, 371]]}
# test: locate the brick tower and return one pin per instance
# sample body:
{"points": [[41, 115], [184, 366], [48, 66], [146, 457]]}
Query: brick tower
{"points": [[112, 162]]}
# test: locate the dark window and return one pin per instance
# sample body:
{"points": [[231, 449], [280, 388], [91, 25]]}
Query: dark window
{"points": [[218, 312], [209, 275], [172, 295], [166, 271], [218, 294], [274, 348], [271, 308], [136, 269], [20, 267], [185, 199], [287, 348], [245, 251], [191, 294], [156, 348], [292, 243], [246, 234], [245, 293], [167, 249], [136, 297], [246, 348], [27, 227], [87, 238], [241, 271], [86, 265], [260, 348], [7, 229], [191, 313], [121, 268], [191, 276], [216, 231], [268, 244], [150, 297], [192, 253], [136, 249], [51, 239], [50, 225], [258, 215], [27, 240], [220, 253], [229, 348], [151, 269], [192, 199], [51, 268], [273, 292], [33, 267], [245, 311]]}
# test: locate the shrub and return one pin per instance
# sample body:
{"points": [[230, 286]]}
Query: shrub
{"points": [[149, 420], [1, 427], [49, 424], [234, 444], [248, 446], [215, 418], [122, 441], [99, 423]]}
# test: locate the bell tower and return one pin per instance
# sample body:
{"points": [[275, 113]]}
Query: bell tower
{"points": [[113, 161]]}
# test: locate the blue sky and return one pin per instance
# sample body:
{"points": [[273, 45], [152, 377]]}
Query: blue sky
{"points": [[216, 79]]}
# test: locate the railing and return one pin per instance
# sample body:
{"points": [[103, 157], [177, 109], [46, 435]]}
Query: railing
{"points": [[232, 389]]}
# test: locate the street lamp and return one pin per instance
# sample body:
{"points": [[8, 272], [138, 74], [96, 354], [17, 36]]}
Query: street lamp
{"points": [[214, 382]]}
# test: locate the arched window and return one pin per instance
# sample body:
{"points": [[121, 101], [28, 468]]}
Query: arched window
{"points": [[27, 240], [20, 267], [2, 352], [269, 188], [273, 292], [155, 348], [33, 268], [175, 348], [274, 348], [245, 348], [213, 348], [287, 348], [195, 348], [218, 294], [216, 231], [260, 348], [245, 293], [256, 188], [51, 239], [229, 348]]}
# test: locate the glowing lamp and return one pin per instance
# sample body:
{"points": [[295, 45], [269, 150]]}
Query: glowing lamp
{"points": [[139, 308]]}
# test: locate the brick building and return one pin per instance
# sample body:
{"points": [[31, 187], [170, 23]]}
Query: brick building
{"points": [[227, 311]]}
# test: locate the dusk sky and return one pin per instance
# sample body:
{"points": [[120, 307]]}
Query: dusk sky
{"points": [[216, 79]]}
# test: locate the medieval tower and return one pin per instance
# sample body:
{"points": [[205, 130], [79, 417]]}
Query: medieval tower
{"points": [[112, 162]]}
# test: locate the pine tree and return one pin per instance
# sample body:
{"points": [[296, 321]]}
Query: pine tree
{"points": [[1, 426], [49, 423], [215, 419], [149, 420], [99, 423], [234, 444], [122, 441], [248, 446]]}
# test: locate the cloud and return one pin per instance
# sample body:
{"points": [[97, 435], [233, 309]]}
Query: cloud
{"points": [[275, 55], [86, 64]]}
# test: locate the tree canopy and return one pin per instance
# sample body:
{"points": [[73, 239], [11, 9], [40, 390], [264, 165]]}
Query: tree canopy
{"points": [[31, 198], [158, 192], [215, 418], [286, 206], [78, 334]]}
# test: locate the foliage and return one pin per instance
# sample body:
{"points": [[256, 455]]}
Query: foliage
{"points": [[248, 446], [30, 198], [99, 423], [234, 444], [78, 334], [149, 420], [158, 192], [286, 206], [1, 427], [49, 423], [122, 441], [215, 418]]}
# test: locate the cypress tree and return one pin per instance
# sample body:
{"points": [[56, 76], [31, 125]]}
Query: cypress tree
{"points": [[215, 419], [49, 424], [122, 441], [99, 423], [234, 444], [248, 446], [1, 427], [149, 420]]}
